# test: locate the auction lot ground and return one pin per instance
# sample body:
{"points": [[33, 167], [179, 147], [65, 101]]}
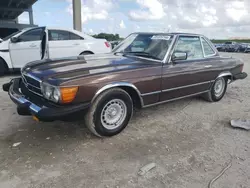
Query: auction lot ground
{"points": [[189, 140]]}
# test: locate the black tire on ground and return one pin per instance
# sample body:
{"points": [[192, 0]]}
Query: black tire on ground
{"points": [[216, 94], [110, 113], [86, 53], [3, 68]]}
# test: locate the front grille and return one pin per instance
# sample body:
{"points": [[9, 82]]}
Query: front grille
{"points": [[32, 84]]}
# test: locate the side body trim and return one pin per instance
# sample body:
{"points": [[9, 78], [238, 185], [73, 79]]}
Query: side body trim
{"points": [[150, 93], [5, 50], [191, 85], [175, 88], [174, 99], [118, 84]]}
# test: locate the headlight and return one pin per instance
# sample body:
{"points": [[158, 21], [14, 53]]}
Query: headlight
{"points": [[59, 94], [51, 92]]}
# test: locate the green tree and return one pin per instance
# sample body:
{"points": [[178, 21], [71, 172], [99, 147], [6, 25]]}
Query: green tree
{"points": [[107, 36]]}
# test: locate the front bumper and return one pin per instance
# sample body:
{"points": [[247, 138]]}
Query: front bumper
{"points": [[240, 76], [40, 108]]}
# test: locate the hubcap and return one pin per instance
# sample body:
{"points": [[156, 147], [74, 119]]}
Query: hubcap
{"points": [[219, 87], [113, 114]]}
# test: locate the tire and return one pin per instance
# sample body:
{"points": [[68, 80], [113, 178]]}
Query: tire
{"points": [[3, 68], [114, 102], [86, 53], [215, 94]]}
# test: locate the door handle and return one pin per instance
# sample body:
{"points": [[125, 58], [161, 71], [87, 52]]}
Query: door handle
{"points": [[208, 66], [76, 44], [33, 45]]}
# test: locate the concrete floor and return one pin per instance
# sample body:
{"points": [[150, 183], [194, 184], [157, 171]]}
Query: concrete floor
{"points": [[189, 140]]}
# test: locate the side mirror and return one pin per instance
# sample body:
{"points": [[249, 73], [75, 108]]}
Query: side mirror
{"points": [[178, 56], [14, 39]]}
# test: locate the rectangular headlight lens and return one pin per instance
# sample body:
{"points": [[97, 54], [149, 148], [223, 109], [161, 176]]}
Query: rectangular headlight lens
{"points": [[51, 92]]}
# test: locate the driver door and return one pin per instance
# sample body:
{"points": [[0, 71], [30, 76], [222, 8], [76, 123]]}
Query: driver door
{"points": [[27, 48], [186, 77]]}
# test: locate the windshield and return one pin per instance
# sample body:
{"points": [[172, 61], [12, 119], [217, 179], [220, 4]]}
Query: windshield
{"points": [[153, 46]]}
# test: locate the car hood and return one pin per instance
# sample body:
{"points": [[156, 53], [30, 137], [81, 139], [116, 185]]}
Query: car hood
{"points": [[57, 71]]}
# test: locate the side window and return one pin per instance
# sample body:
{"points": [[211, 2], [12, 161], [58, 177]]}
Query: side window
{"points": [[75, 37], [32, 35], [207, 48], [191, 45], [55, 35]]}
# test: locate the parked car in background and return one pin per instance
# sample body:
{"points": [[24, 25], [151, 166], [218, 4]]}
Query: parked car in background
{"points": [[242, 47], [114, 43], [247, 49], [143, 70], [230, 46], [218, 46], [39, 43]]}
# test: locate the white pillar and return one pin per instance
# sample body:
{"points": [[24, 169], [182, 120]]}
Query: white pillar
{"points": [[77, 17], [31, 16]]}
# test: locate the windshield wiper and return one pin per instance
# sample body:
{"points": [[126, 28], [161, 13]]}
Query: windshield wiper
{"points": [[143, 54]]}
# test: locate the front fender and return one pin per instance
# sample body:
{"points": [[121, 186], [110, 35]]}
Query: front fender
{"points": [[118, 84]]}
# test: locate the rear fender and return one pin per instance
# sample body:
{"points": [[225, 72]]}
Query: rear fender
{"points": [[226, 74]]}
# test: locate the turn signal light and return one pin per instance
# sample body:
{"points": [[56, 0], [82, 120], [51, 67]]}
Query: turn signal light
{"points": [[241, 68], [68, 94]]}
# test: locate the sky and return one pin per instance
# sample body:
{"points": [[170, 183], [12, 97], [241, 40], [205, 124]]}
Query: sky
{"points": [[213, 18]]}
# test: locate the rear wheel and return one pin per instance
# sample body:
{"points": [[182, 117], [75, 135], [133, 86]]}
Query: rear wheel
{"points": [[217, 91], [3, 67], [110, 113]]}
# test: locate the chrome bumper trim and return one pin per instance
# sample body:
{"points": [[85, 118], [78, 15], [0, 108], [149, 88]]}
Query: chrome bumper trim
{"points": [[21, 100]]}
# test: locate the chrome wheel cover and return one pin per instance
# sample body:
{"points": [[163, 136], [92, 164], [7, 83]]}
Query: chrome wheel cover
{"points": [[113, 114], [219, 87]]}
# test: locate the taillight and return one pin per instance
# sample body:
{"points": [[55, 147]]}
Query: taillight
{"points": [[241, 68], [107, 44]]}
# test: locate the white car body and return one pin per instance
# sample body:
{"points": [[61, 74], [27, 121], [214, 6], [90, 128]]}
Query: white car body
{"points": [[52, 43]]}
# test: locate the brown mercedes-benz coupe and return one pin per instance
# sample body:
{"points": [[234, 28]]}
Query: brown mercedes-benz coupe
{"points": [[143, 70]]}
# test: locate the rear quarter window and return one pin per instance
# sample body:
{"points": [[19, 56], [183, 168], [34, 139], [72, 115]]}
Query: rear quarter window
{"points": [[208, 50]]}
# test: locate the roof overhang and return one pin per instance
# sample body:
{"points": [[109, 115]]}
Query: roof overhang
{"points": [[11, 9]]}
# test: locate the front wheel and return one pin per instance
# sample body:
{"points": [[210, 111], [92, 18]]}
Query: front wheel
{"points": [[217, 90], [110, 113]]}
